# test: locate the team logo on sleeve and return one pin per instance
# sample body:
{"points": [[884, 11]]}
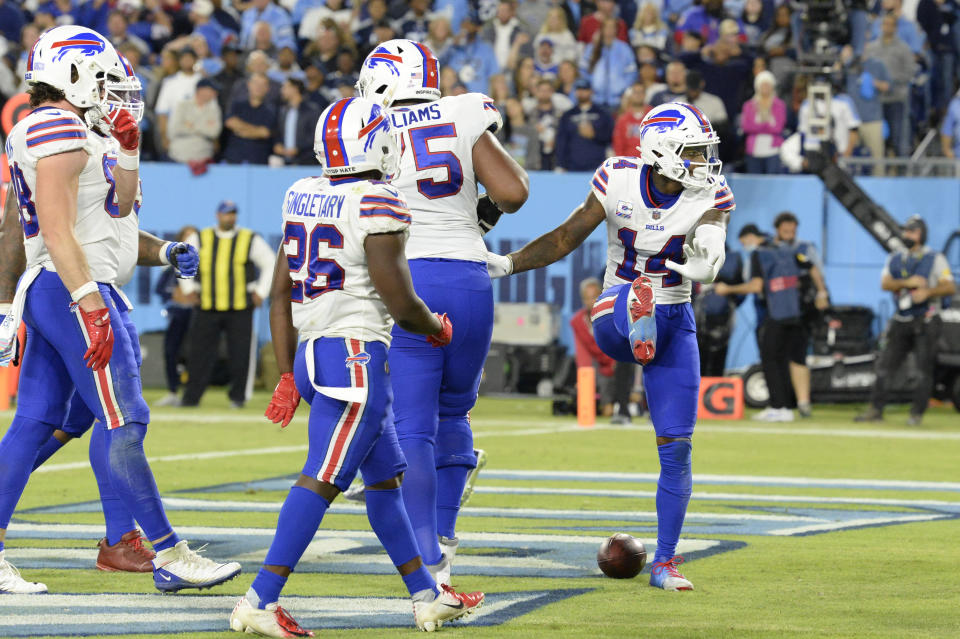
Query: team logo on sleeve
{"points": [[360, 359], [624, 209]]}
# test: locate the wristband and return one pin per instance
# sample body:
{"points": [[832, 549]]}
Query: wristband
{"points": [[84, 290], [163, 253], [128, 162]]}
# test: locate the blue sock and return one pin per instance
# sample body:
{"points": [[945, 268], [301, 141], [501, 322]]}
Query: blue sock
{"points": [[390, 522], [46, 451], [130, 476], [118, 519], [265, 588], [673, 495], [18, 451], [299, 519], [455, 459], [419, 491]]}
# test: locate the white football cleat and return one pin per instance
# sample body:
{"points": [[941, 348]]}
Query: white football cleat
{"points": [[441, 569], [664, 574], [11, 583], [179, 567], [448, 605], [273, 621], [472, 477]]}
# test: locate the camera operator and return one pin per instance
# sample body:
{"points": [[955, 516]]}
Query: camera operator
{"points": [[918, 277]]}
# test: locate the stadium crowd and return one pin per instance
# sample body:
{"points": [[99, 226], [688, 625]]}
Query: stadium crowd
{"points": [[243, 81]]}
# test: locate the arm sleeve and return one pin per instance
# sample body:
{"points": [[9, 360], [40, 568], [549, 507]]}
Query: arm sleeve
{"points": [[600, 182], [383, 210], [60, 132], [263, 257]]}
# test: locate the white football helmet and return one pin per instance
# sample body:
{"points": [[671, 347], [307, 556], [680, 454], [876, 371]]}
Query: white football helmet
{"points": [[75, 60], [668, 133], [400, 70], [354, 135], [128, 93]]}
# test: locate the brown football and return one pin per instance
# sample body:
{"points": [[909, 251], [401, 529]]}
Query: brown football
{"points": [[621, 556]]}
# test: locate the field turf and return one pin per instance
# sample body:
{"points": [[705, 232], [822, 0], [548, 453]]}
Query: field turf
{"points": [[820, 528]]}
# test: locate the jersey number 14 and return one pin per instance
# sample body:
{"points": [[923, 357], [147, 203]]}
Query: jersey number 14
{"points": [[672, 250]]}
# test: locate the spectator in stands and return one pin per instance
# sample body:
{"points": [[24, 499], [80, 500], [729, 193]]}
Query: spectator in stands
{"points": [[12, 20], [178, 308], [586, 351], [905, 28], [524, 79], [901, 66], [250, 122], [472, 57], [544, 64], [509, 36], [691, 42], [316, 17], [673, 9], [726, 73], [229, 75], [939, 21], [649, 81], [918, 277], [626, 131], [545, 114], [263, 39], [950, 129], [519, 136], [216, 35], [567, 75], [711, 105], [277, 18], [763, 118], [117, 25], [867, 81], [555, 29], [715, 315], [414, 24], [176, 88], [440, 38], [286, 66], [776, 44], [294, 131], [344, 79], [257, 62], [323, 49], [704, 19], [364, 28], [584, 132], [649, 29], [676, 77], [610, 64], [755, 20], [195, 125], [591, 24]]}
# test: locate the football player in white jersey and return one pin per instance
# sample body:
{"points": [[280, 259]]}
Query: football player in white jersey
{"points": [[340, 281], [666, 214], [448, 149], [70, 187]]}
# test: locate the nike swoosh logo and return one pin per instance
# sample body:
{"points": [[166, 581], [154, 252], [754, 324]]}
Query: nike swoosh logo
{"points": [[457, 607], [165, 578]]}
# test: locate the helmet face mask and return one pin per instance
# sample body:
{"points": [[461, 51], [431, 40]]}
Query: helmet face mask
{"points": [[679, 143], [126, 94]]}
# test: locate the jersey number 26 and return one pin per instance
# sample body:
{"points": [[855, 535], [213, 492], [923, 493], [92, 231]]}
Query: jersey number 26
{"points": [[327, 272]]}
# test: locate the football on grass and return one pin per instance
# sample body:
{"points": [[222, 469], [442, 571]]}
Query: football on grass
{"points": [[621, 556]]}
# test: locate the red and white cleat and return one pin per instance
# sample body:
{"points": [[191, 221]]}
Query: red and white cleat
{"points": [[664, 574], [273, 621], [643, 322], [127, 555], [448, 605]]}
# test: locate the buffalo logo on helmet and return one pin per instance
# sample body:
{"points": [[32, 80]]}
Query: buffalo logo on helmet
{"points": [[87, 44]]}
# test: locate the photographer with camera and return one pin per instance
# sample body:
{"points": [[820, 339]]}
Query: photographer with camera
{"points": [[918, 277]]}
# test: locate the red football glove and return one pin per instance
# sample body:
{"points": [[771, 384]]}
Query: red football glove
{"points": [[443, 337], [284, 402], [97, 324], [125, 129]]}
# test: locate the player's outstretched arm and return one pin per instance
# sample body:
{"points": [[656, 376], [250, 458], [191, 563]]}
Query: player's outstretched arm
{"points": [[558, 243], [390, 275], [13, 260], [506, 182], [152, 251], [58, 183]]}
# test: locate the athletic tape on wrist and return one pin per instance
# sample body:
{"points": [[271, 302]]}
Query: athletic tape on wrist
{"points": [[164, 251], [128, 162], [84, 290]]}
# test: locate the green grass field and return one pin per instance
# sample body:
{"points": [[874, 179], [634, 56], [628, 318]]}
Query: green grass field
{"points": [[821, 528]]}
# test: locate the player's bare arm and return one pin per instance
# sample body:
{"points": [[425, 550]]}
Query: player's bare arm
{"points": [[282, 331], [716, 217], [390, 275], [558, 243], [58, 180], [13, 260], [506, 182], [127, 182], [148, 251]]}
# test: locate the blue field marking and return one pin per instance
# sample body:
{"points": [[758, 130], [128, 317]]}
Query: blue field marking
{"points": [[105, 614]]}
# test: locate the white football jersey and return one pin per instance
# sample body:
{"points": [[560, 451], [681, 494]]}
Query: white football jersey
{"points": [[325, 221], [129, 229], [437, 177], [48, 131], [643, 233]]}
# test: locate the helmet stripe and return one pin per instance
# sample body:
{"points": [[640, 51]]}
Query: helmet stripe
{"points": [[431, 70], [701, 118], [333, 148]]}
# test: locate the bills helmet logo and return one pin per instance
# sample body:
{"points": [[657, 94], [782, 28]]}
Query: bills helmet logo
{"points": [[377, 122], [84, 43], [360, 359], [381, 56]]}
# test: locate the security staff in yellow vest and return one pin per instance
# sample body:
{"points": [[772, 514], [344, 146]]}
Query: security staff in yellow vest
{"points": [[236, 267]]}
